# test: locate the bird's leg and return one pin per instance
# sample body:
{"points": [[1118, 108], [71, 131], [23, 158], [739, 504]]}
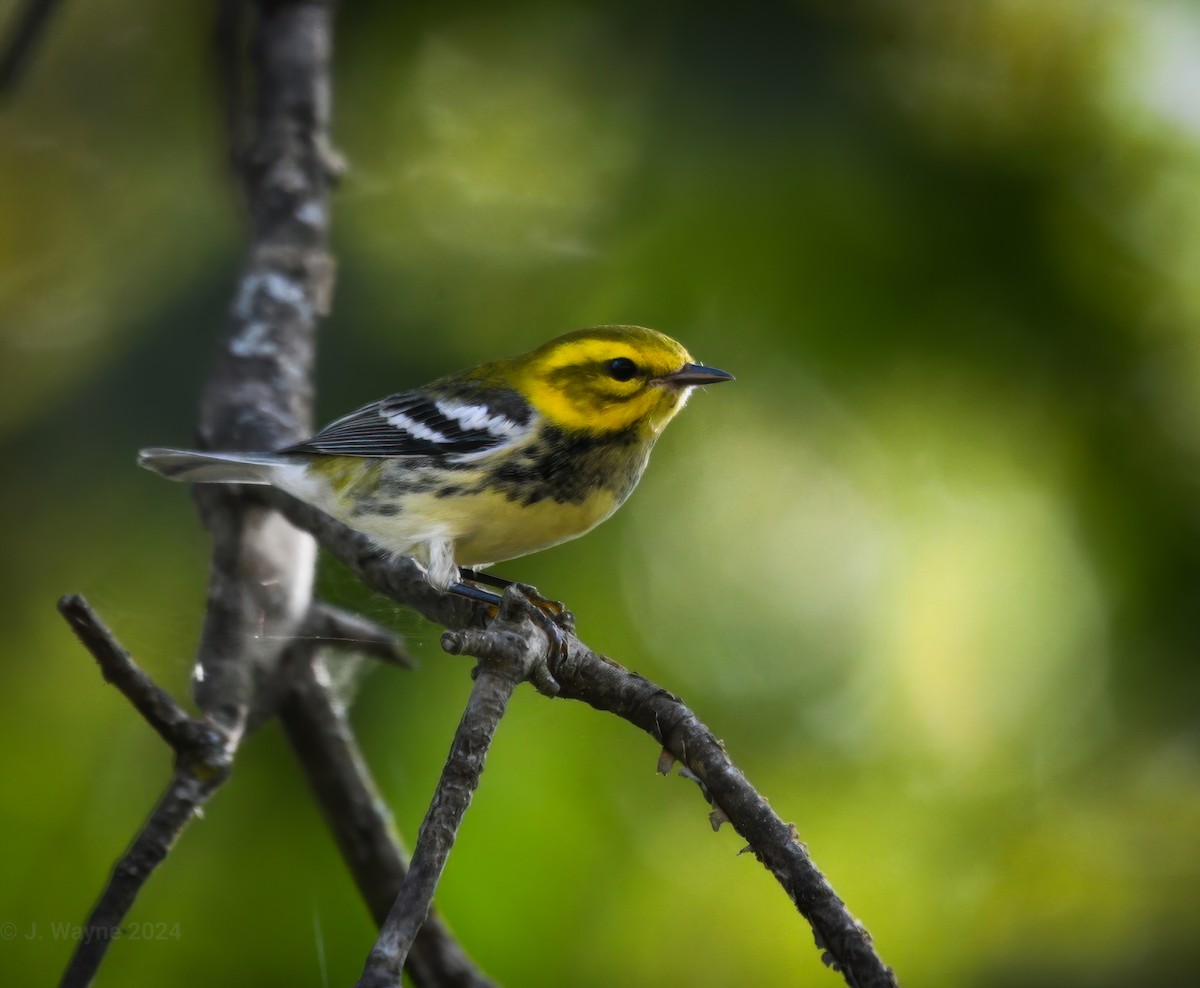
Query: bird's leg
{"points": [[487, 579], [472, 592], [556, 610]]}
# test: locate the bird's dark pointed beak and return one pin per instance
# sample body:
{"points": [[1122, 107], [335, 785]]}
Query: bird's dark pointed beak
{"points": [[690, 374]]}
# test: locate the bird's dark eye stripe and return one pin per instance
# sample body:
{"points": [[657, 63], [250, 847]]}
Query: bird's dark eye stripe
{"points": [[621, 368]]}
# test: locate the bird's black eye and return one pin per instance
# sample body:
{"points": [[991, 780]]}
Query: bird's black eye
{"points": [[621, 369]]}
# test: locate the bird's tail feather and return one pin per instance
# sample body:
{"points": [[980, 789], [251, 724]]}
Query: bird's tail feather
{"points": [[196, 467]]}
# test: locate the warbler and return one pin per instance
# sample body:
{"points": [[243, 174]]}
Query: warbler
{"points": [[486, 464]]}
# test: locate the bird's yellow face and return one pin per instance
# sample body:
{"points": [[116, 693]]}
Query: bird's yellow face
{"points": [[612, 378]]}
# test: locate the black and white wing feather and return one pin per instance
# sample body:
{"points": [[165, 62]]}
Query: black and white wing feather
{"points": [[426, 423]]}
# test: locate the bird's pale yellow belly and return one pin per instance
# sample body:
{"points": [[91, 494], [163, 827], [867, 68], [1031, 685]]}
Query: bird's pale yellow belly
{"points": [[485, 528], [489, 528]]}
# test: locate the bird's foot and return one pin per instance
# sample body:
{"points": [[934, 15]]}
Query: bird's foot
{"points": [[519, 601]]}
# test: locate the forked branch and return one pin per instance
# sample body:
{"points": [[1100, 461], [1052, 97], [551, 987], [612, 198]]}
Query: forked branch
{"points": [[505, 661], [203, 760], [606, 685], [315, 724], [259, 608]]}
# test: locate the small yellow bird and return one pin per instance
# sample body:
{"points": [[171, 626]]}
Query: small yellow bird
{"points": [[486, 464]]}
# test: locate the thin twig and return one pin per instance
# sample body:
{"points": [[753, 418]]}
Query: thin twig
{"points": [[187, 792], [605, 685], [157, 707], [507, 661], [27, 32], [360, 821], [489, 698], [203, 761], [336, 628]]}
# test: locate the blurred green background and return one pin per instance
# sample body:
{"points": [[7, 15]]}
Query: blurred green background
{"points": [[930, 567]]}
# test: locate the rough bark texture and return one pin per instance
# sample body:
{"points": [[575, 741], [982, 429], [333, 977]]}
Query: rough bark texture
{"points": [[259, 395]]}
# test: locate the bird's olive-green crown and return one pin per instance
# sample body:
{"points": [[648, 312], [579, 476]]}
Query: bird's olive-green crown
{"points": [[602, 380]]}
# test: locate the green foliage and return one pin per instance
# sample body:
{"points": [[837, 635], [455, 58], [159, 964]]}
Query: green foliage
{"points": [[929, 567]]}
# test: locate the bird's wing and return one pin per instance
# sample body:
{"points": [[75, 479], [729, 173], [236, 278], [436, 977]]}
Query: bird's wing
{"points": [[427, 423]]}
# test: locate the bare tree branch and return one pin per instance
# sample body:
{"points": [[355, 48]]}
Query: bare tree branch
{"points": [[285, 286], [259, 603], [260, 393], [157, 707], [202, 764], [259, 396], [606, 685], [361, 824], [187, 791], [326, 748], [507, 659]]}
